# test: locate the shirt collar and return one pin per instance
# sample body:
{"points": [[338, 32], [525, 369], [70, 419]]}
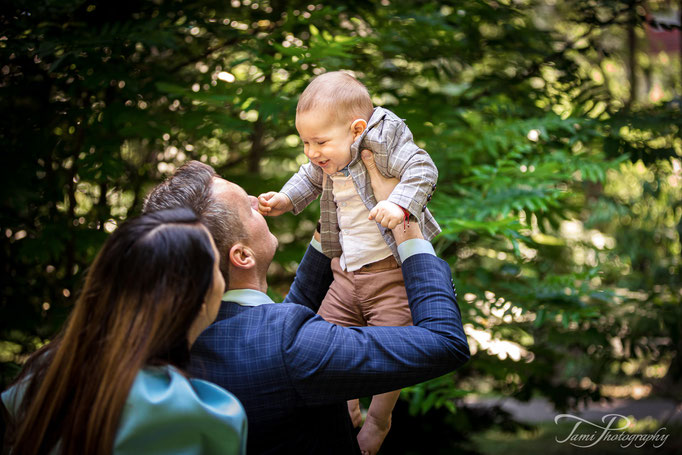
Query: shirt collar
{"points": [[345, 171], [247, 297], [377, 116]]}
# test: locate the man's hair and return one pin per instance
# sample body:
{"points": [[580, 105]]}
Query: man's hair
{"points": [[339, 93], [192, 186]]}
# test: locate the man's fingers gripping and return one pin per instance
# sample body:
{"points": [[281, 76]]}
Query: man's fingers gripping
{"points": [[368, 158]]}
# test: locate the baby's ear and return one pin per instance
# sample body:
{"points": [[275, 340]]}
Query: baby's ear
{"points": [[357, 127]]}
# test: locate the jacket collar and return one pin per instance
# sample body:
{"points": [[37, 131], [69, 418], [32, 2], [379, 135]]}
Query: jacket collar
{"points": [[377, 116]]}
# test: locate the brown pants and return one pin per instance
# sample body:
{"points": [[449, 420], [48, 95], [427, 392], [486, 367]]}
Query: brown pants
{"points": [[372, 296]]}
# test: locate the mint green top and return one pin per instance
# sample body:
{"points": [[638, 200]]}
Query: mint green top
{"points": [[166, 413]]}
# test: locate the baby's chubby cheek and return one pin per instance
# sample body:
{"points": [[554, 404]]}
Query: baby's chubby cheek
{"points": [[346, 159]]}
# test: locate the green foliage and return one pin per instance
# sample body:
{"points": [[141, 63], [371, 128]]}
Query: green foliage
{"points": [[559, 196]]}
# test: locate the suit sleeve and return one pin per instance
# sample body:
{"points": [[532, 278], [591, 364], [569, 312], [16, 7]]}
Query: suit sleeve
{"points": [[312, 281], [328, 363], [304, 186]]}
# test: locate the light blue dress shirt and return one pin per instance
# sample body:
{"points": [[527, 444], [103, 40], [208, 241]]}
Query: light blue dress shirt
{"points": [[167, 413], [247, 297]]}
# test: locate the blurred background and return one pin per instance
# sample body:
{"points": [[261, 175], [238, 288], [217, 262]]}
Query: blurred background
{"points": [[555, 125]]}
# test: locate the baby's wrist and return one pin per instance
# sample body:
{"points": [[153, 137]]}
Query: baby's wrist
{"points": [[287, 201]]}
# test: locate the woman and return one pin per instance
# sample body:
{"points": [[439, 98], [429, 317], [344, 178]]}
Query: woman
{"points": [[111, 381]]}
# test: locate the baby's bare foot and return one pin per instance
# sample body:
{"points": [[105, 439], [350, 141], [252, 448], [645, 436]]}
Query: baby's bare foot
{"points": [[372, 435], [355, 413]]}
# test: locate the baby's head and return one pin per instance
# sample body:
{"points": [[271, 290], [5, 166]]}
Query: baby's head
{"points": [[331, 113]]}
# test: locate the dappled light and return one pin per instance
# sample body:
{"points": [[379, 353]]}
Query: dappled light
{"points": [[555, 127]]}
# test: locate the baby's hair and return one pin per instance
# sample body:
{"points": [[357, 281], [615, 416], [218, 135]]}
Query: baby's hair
{"points": [[340, 94]]}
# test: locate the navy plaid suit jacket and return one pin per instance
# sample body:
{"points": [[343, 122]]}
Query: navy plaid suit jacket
{"points": [[293, 371]]}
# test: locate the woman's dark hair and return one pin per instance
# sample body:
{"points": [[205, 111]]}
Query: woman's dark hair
{"points": [[140, 298]]}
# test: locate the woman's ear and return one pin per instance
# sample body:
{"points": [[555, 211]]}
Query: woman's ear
{"points": [[241, 256], [357, 127]]}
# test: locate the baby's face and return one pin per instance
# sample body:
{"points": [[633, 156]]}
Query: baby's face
{"points": [[326, 141]]}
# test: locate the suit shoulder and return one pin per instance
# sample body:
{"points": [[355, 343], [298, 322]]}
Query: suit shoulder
{"points": [[290, 311], [233, 314]]}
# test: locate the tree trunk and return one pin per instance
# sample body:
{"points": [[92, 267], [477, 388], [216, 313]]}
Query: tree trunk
{"points": [[257, 146], [632, 48]]}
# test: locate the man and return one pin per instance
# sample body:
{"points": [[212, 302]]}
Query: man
{"points": [[293, 371]]}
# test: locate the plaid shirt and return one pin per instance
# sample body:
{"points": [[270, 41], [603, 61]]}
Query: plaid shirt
{"points": [[396, 155]]}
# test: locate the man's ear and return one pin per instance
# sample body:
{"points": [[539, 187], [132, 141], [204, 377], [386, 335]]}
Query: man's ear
{"points": [[357, 127], [241, 256]]}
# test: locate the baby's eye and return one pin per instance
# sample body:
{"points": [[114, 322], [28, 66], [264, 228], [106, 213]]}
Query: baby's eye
{"points": [[322, 142]]}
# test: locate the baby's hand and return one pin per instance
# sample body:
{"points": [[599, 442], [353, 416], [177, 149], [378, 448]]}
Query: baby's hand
{"points": [[388, 214], [274, 204]]}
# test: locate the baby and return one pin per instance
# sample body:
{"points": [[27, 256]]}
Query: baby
{"points": [[335, 119]]}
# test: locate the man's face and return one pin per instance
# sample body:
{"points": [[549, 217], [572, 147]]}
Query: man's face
{"points": [[326, 141], [259, 238]]}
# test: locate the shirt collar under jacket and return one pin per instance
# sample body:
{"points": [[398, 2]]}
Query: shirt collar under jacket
{"points": [[345, 171], [247, 297], [378, 115]]}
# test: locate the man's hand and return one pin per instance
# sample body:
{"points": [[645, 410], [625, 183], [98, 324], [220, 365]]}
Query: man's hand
{"points": [[382, 188], [388, 214], [274, 204]]}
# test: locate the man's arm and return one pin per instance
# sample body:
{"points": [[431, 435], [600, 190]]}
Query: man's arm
{"points": [[329, 363], [313, 278]]}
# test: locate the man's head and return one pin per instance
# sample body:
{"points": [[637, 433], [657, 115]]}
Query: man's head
{"points": [[331, 113], [240, 233]]}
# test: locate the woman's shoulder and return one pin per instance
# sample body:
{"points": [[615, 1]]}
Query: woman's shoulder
{"points": [[11, 398], [165, 411], [159, 384]]}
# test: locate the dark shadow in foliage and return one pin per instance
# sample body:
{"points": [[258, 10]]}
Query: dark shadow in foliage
{"points": [[440, 432]]}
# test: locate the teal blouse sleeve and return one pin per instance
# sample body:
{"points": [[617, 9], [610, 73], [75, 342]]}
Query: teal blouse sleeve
{"points": [[168, 414]]}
